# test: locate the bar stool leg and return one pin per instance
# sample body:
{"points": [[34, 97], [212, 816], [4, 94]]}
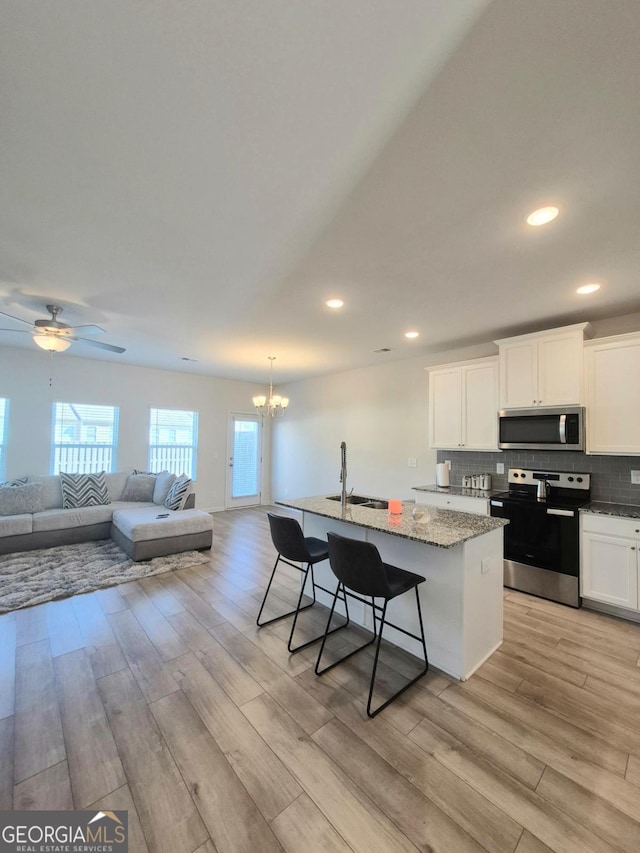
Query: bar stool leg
{"points": [[371, 713], [319, 671], [290, 612]]}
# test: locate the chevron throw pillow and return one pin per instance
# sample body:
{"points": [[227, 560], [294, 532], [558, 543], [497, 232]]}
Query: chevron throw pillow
{"points": [[84, 490], [178, 493]]}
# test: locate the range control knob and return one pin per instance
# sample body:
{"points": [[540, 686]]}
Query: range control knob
{"points": [[579, 479], [570, 479], [523, 475], [515, 474]]}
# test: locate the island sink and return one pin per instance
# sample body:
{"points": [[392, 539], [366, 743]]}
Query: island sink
{"points": [[360, 500]]}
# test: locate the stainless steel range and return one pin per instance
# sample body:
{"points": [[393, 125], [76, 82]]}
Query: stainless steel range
{"points": [[542, 539]]}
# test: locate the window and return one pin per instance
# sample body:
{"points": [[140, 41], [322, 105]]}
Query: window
{"points": [[85, 438], [173, 441], [4, 418]]}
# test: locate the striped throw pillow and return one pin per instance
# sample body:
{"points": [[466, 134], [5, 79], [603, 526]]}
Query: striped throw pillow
{"points": [[19, 481], [178, 493], [84, 490]]}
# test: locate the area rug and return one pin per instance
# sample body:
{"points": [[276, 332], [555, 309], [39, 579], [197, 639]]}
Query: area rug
{"points": [[32, 577]]}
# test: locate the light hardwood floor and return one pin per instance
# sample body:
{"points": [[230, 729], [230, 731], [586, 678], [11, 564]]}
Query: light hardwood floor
{"points": [[162, 697]]}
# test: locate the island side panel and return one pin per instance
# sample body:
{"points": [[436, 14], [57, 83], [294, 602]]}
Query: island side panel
{"points": [[483, 599]]}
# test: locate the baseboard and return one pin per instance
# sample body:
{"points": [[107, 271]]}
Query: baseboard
{"points": [[211, 508]]}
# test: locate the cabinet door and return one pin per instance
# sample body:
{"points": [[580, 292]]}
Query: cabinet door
{"points": [[610, 570], [519, 375], [445, 408], [480, 407], [613, 401], [560, 374]]}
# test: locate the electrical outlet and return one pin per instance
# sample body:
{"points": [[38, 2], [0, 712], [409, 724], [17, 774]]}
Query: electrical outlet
{"points": [[485, 566], [499, 467], [635, 478], [447, 462], [413, 462]]}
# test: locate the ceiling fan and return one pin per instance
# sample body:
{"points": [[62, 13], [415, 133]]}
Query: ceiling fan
{"points": [[56, 336]]}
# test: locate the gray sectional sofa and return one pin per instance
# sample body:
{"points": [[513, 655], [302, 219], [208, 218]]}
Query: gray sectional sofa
{"points": [[172, 531]]}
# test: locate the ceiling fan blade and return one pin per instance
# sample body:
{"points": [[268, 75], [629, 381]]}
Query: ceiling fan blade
{"points": [[18, 319], [87, 330], [98, 344], [21, 331]]}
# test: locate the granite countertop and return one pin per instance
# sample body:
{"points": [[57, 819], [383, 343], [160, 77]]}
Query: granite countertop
{"points": [[445, 528], [458, 491], [622, 510]]}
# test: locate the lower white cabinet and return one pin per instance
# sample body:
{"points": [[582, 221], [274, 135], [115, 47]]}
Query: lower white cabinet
{"points": [[460, 503], [610, 566]]}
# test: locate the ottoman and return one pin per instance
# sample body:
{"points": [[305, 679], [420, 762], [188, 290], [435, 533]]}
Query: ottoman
{"points": [[155, 531]]}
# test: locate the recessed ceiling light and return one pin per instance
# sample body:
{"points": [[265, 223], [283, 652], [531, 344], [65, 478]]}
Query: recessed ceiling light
{"points": [[588, 288], [335, 303], [412, 334], [542, 216]]}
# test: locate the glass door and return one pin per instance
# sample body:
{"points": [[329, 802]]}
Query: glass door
{"points": [[244, 460]]}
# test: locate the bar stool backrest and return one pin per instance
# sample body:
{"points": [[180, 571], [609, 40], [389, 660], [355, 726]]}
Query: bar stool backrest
{"points": [[358, 566], [288, 538]]}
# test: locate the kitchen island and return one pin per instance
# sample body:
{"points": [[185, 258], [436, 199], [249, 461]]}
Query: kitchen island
{"points": [[458, 553]]}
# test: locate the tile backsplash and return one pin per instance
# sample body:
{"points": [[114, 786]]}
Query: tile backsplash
{"points": [[610, 475]]}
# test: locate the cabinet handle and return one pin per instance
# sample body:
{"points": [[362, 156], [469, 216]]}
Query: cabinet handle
{"points": [[633, 547]]}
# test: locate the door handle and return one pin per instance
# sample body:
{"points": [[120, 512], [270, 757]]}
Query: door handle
{"points": [[568, 512]]}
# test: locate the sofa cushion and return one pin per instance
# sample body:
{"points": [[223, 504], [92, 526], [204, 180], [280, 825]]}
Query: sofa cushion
{"points": [[178, 493], [139, 487], [80, 490], [15, 525], [51, 490], [164, 481], [18, 500], [115, 484], [140, 525], [61, 519]]}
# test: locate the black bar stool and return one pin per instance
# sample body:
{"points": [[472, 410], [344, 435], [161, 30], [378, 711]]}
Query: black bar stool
{"points": [[291, 544], [359, 569]]}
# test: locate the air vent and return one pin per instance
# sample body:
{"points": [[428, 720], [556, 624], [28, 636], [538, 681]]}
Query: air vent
{"points": [[184, 358], [383, 349]]}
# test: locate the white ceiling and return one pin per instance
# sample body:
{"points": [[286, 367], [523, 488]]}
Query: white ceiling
{"points": [[200, 177]]}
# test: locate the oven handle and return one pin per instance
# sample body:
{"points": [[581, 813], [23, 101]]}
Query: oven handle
{"points": [[568, 512], [497, 503]]}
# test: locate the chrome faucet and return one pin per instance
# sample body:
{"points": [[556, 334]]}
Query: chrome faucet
{"points": [[343, 473]]}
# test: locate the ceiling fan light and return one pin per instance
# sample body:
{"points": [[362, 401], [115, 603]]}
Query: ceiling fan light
{"points": [[51, 343]]}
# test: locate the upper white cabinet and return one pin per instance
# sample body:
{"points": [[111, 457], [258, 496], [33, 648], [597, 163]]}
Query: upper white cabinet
{"points": [[463, 405], [613, 396], [543, 369]]}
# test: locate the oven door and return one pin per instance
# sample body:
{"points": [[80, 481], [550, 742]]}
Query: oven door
{"points": [[540, 535]]}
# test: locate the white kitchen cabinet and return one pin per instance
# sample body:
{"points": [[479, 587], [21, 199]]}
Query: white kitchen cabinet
{"points": [[543, 369], [463, 405], [613, 398], [459, 503], [609, 560]]}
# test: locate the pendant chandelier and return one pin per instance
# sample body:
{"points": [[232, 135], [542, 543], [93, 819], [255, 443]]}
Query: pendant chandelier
{"points": [[274, 405]]}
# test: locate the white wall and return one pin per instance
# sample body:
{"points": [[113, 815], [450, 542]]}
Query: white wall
{"points": [[381, 412], [25, 381]]}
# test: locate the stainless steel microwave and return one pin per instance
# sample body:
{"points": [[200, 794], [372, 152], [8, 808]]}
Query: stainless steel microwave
{"points": [[551, 428]]}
